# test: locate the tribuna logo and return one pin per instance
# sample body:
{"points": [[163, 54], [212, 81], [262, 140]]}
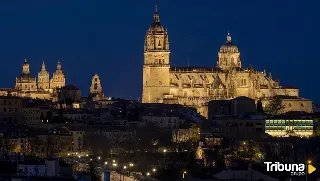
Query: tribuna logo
{"points": [[295, 169]]}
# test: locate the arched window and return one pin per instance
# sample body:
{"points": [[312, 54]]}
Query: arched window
{"points": [[95, 86], [185, 94]]}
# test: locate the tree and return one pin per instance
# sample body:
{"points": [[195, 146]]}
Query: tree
{"points": [[93, 171], [318, 130], [52, 147], [124, 111], [97, 144], [259, 107], [275, 106]]}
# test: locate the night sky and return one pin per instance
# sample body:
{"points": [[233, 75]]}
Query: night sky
{"points": [[106, 37]]}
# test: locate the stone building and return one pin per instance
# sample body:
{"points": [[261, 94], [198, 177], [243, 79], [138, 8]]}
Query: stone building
{"points": [[28, 86], [195, 86], [58, 80], [96, 87], [27, 82], [43, 78]]}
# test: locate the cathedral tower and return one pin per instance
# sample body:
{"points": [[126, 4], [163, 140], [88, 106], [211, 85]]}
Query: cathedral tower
{"points": [[96, 87], [156, 62], [25, 81], [58, 78], [43, 78], [229, 55]]}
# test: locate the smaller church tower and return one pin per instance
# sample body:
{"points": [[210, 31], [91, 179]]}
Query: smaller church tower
{"points": [[25, 81], [43, 78], [58, 78], [229, 55], [96, 87]]}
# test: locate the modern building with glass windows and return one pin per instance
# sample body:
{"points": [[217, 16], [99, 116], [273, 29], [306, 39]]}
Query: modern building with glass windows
{"points": [[292, 127]]}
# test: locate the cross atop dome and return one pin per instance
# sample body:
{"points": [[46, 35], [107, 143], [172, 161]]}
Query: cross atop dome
{"points": [[43, 67], [228, 37]]}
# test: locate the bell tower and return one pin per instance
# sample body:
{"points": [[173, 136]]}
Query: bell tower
{"points": [[156, 66], [96, 87], [58, 78], [43, 78]]}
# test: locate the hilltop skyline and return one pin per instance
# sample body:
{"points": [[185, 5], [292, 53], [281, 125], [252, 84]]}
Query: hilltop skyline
{"points": [[91, 38]]}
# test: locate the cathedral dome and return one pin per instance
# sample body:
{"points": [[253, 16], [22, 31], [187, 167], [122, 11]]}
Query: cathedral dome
{"points": [[229, 47], [156, 26], [26, 77]]}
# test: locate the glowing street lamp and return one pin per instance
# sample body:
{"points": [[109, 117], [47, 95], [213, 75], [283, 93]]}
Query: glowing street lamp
{"points": [[99, 158], [164, 154], [164, 150], [148, 174], [183, 174], [113, 161], [106, 163], [124, 167], [154, 172]]}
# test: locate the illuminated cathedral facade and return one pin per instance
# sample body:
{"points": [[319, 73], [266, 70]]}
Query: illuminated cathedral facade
{"points": [[27, 82], [41, 87], [195, 86]]}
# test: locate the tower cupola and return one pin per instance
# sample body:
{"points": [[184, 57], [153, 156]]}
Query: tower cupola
{"points": [[229, 55]]}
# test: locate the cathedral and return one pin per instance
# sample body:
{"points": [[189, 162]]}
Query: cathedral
{"points": [[42, 87], [195, 86], [26, 82]]}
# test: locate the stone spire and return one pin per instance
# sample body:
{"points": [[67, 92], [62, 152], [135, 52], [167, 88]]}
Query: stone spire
{"points": [[270, 76], [156, 18]]}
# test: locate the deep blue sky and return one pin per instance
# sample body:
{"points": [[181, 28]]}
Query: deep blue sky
{"points": [[106, 37]]}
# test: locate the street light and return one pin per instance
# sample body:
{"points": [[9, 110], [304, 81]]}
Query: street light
{"points": [[308, 163], [106, 163], [130, 166], [99, 158], [113, 161], [154, 172], [124, 167], [183, 174], [164, 150], [148, 174]]}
